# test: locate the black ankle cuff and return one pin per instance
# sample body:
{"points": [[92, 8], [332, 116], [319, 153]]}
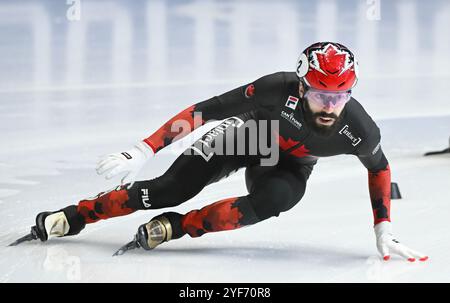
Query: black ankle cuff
{"points": [[175, 222], [76, 221]]}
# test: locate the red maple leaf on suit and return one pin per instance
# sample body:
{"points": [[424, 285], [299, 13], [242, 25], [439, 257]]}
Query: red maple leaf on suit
{"points": [[300, 151]]}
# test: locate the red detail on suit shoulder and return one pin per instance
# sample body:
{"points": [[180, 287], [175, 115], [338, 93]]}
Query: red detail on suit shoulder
{"points": [[249, 91]]}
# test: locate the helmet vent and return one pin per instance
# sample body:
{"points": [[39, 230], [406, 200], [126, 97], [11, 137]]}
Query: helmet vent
{"points": [[341, 84], [332, 71], [322, 83]]}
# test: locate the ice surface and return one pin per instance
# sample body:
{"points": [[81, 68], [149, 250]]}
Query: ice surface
{"points": [[71, 91]]}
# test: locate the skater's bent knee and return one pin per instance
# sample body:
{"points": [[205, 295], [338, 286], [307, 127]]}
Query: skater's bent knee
{"points": [[272, 202]]}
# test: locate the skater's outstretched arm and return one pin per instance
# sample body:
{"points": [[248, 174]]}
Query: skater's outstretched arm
{"points": [[237, 101], [373, 158]]}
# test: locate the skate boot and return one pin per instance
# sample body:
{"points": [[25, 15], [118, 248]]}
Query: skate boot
{"points": [[162, 228], [153, 233], [64, 222]]}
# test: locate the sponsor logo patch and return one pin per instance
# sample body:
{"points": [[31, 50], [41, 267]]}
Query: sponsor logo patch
{"points": [[291, 119], [292, 102], [145, 198], [376, 148], [208, 138], [346, 132], [126, 155]]}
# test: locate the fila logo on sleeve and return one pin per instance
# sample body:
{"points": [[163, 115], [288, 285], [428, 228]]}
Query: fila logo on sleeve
{"points": [[292, 102], [145, 198]]}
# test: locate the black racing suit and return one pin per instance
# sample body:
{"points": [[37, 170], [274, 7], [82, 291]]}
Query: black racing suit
{"points": [[268, 111]]}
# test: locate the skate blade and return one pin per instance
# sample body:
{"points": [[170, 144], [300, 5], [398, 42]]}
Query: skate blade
{"points": [[31, 236], [130, 245], [445, 151]]}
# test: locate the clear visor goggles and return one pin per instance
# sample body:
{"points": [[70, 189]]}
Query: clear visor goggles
{"points": [[328, 99]]}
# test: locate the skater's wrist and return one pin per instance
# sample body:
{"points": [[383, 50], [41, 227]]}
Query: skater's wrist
{"points": [[150, 145], [145, 150], [382, 228]]}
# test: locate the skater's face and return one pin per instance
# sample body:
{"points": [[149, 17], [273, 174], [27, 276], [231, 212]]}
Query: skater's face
{"points": [[326, 106], [323, 108]]}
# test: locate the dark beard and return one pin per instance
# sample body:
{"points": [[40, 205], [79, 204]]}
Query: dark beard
{"points": [[320, 130]]}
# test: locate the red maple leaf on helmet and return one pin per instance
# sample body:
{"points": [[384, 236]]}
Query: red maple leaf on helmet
{"points": [[331, 60]]}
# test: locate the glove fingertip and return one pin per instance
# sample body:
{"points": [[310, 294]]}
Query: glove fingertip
{"points": [[100, 166], [102, 159], [128, 181], [411, 259], [101, 170], [387, 258], [423, 259]]}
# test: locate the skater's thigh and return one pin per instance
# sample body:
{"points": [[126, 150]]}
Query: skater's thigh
{"points": [[196, 172], [188, 175], [184, 179], [274, 190], [214, 156]]}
